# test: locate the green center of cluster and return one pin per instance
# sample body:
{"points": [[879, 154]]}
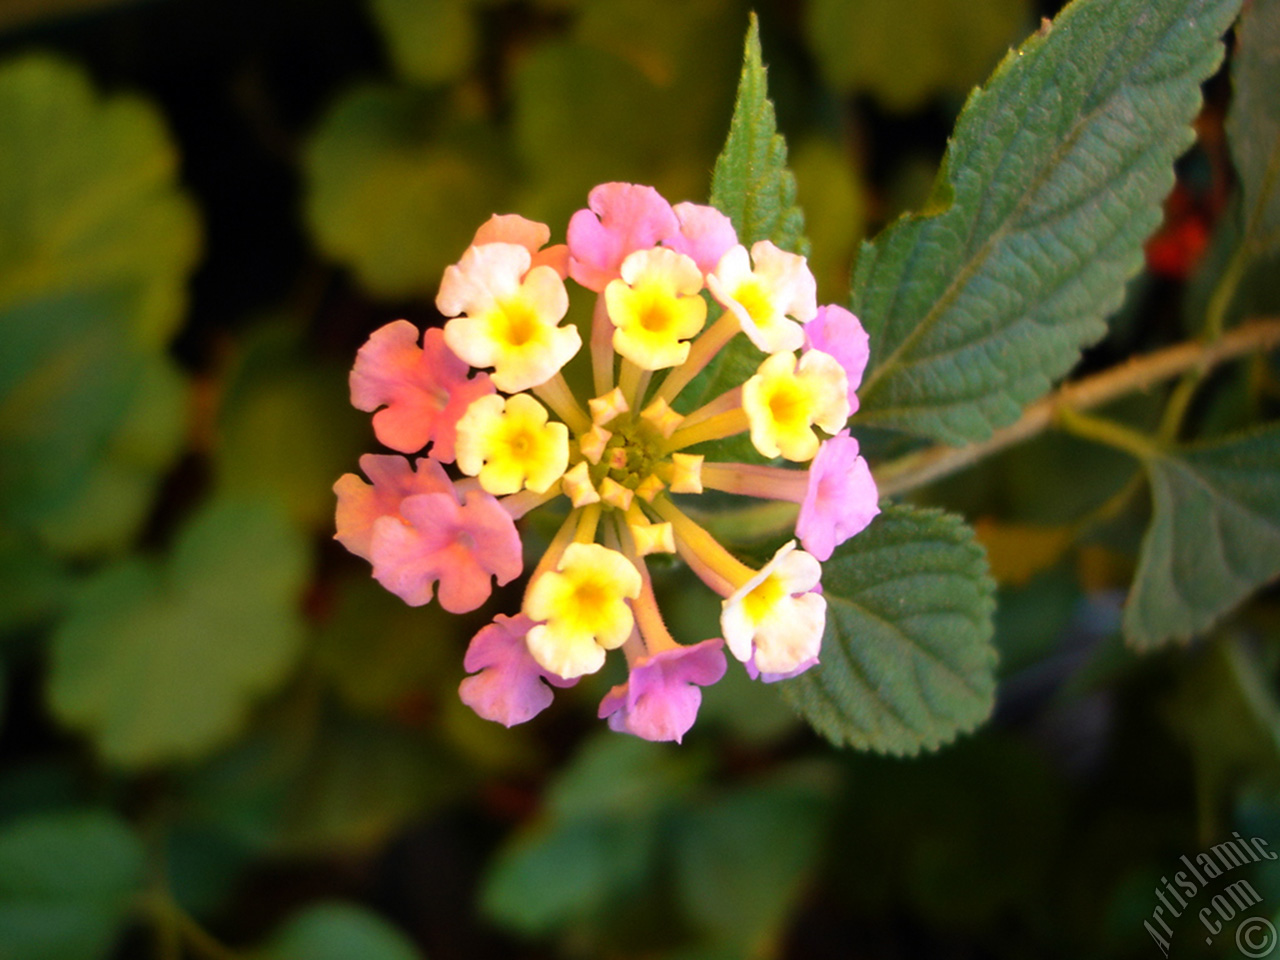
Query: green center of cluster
{"points": [[631, 454]]}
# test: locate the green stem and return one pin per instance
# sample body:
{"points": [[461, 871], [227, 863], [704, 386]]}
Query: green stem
{"points": [[175, 924], [1112, 507], [1138, 373], [1215, 315], [1109, 433], [1175, 410]]}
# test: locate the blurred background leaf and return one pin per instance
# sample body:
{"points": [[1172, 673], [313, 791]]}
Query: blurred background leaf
{"points": [[430, 41], [393, 195], [338, 931], [941, 47], [206, 632], [67, 882]]}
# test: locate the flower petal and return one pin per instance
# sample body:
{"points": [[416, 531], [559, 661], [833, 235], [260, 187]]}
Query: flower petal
{"points": [[660, 699], [507, 683], [423, 390], [622, 218], [459, 545], [838, 332], [584, 609], [705, 234], [841, 498], [360, 504]]}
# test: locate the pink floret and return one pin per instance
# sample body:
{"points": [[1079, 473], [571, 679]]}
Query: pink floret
{"points": [[530, 234], [423, 391], [705, 235], [393, 479], [622, 218], [838, 332], [508, 684], [841, 499], [660, 699], [460, 545]]}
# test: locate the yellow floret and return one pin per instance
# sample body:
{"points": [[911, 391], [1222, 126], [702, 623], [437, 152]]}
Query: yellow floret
{"points": [[509, 316], [784, 400], [655, 307], [508, 444], [584, 609]]}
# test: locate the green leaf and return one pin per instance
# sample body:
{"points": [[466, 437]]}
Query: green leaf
{"points": [[342, 786], [89, 197], [96, 246], [618, 777], [338, 931], [286, 433], [430, 41], [66, 885], [1051, 182], [36, 586], [598, 840], [563, 873], [1214, 536], [1253, 124], [907, 661], [163, 662], [943, 47], [753, 186], [66, 378], [1223, 707], [117, 492], [832, 194], [639, 97], [568, 92], [742, 858], [751, 182], [392, 195]]}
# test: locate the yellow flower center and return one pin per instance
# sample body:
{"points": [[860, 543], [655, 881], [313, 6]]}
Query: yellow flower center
{"points": [[584, 609], [753, 299], [508, 444], [763, 598], [519, 324], [789, 405], [655, 316]]}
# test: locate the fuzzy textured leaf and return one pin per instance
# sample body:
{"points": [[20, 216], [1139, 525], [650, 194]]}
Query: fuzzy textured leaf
{"points": [[907, 660], [753, 186], [1052, 181], [1214, 536], [751, 182]]}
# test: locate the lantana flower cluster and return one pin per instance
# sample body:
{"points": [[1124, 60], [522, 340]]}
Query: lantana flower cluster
{"points": [[498, 432]]}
